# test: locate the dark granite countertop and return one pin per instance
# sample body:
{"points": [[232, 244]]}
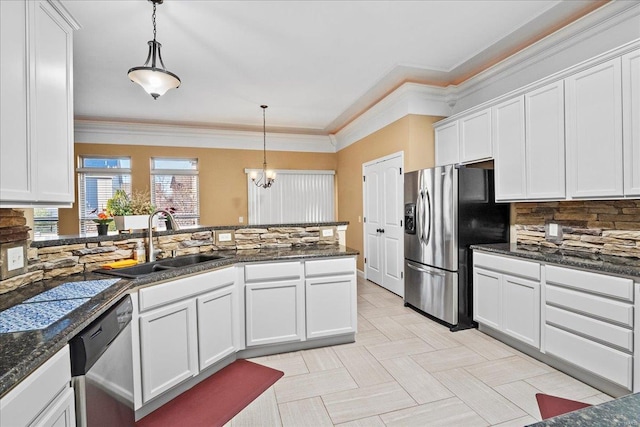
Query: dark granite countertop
{"points": [[622, 266], [624, 411], [22, 352]]}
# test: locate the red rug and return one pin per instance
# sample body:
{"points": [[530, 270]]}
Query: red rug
{"points": [[552, 406], [217, 399]]}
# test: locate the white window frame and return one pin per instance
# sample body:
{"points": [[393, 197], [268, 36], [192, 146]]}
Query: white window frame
{"points": [[186, 172]]}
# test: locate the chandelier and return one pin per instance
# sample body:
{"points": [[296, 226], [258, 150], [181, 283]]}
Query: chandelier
{"points": [[155, 81], [268, 177]]}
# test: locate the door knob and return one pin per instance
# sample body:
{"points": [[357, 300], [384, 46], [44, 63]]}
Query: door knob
{"points": [[382, 230]]}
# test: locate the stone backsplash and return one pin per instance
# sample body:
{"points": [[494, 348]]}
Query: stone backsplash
{"points": [[48, 260], [609, 227]]}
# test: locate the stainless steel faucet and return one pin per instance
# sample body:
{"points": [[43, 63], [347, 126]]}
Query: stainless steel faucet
{"points": [[174, 225]]}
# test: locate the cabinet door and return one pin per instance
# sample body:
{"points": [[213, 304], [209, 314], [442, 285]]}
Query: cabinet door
{"points": [[545, 163], [631, 122], [52, 106], [15, 152], [274, 312], [168, 347], [487, 297], [217, 323], [447, 144], [475, 137], [508, 134], [521, 309], [594, 131], [330, 306], [60, 413]]}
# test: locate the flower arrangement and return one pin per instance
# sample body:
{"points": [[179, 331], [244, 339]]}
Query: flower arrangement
{"points": [[121, 204], [103, 218]]}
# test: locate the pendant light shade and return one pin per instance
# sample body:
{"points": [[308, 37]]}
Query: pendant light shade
{"points": [[156, 81]]}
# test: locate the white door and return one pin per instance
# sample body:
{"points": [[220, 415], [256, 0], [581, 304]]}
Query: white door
{"points": [[487, 298], [384, 237], [217, 319], [521, 309], [593, 106], [330, 304], [168, 347]]}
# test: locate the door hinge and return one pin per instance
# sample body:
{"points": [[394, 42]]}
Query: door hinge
{"points": [[402, 274], [400, 223], [365, 260], [364, 179], [364, 219], [400, 171]]}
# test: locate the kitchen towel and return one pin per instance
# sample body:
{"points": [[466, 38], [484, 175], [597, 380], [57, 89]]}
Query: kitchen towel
{"points": [[216, 400]]}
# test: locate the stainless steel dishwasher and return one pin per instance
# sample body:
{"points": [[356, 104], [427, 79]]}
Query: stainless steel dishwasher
{"points": [[102, 369]]}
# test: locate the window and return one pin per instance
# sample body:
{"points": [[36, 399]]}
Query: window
{"points": [[98, 179], [174, 187], [296, 196], [45, 222]]}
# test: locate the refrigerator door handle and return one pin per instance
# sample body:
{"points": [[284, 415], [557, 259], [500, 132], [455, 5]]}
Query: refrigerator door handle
{"points": [[424, 270], [426, 242], [419, 208]]}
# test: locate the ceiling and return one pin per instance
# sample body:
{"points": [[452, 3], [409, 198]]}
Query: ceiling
{"points": [[317, 64]]}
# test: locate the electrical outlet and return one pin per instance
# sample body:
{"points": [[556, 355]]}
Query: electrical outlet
{"points": [[224, 237], [553, 230], [15, 258], [240, 219], [328, 232]]}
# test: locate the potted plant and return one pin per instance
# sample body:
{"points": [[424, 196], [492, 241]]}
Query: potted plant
{"points": [[103, 219], [130, 212]]}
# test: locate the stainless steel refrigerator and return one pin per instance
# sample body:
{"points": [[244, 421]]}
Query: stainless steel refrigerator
{"points": [[447, 209]]}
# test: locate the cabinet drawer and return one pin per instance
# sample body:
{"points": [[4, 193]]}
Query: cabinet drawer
{"points": [[615, 287], [272, 271], [615, 311], [175, 290], [334, 266], [509, 265], [603, 331], [611, 364]]}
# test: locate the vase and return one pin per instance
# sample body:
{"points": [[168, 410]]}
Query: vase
{"points": [[102, 229], [132, 222]]}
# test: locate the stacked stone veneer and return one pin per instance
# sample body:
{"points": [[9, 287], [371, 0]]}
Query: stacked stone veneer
{"points": [[55, 261], [599, 227]]}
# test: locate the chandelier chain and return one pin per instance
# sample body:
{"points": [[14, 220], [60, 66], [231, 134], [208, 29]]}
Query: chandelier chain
{"points": [[153, 19], [264, 135]]}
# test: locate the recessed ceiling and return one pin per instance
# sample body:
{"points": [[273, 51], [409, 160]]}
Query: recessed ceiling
{"points": [[317, 64]]}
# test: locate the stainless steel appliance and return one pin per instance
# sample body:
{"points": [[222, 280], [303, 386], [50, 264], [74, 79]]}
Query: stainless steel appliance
{"points": [[102, 369], [447, 209]]}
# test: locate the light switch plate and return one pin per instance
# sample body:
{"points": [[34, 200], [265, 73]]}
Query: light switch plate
{"points": [[553, 232], [224, 237], [327, 232], [15, 258]]}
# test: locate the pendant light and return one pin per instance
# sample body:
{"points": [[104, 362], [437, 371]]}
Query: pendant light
{"points": [[268, 177], [155, 81]]}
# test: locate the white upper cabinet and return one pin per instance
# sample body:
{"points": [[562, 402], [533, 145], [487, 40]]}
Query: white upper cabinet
{"points": [[36, 118], [510, 150], [594, 131], [447, 144], [545, 161], [631, 122], [475, 137]]}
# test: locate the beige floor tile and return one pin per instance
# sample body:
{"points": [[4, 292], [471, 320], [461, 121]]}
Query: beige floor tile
{"points": [[393, 330], [305, 413], [420, 384], [483, 344], [364, 422], [435, 337], [366, 287], [445, 413], [411, 318], [289, 365], [488, 403], [597, 399], [382, 299], [367, 338], [518, 422], [370, 312], [362, 366], [522, 394], [506, 370], [364, 402], [399, 348], [366, 306], [449, 358], [276, 356], [313, 384], [364, 325], [562, 385], [321, 359], [262, 411]]}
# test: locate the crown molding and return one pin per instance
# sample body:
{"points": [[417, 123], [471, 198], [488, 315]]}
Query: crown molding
{"points": [[409, 98], [103, 132]]}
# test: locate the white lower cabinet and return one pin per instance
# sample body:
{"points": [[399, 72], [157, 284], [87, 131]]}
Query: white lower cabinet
{"points": [[168, 347], [274, 312], [44, 398], [330, 306], [504, 301], [217, 325]]}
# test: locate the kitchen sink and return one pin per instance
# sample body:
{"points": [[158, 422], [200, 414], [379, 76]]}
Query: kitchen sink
{"points": [[160, 265]]}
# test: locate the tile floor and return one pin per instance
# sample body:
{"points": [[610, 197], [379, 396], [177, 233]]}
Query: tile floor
{"points": [[406, 370]]}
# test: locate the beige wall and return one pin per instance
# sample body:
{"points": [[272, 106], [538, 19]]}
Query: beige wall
{"points": [[412, 134], [223, 183]]}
